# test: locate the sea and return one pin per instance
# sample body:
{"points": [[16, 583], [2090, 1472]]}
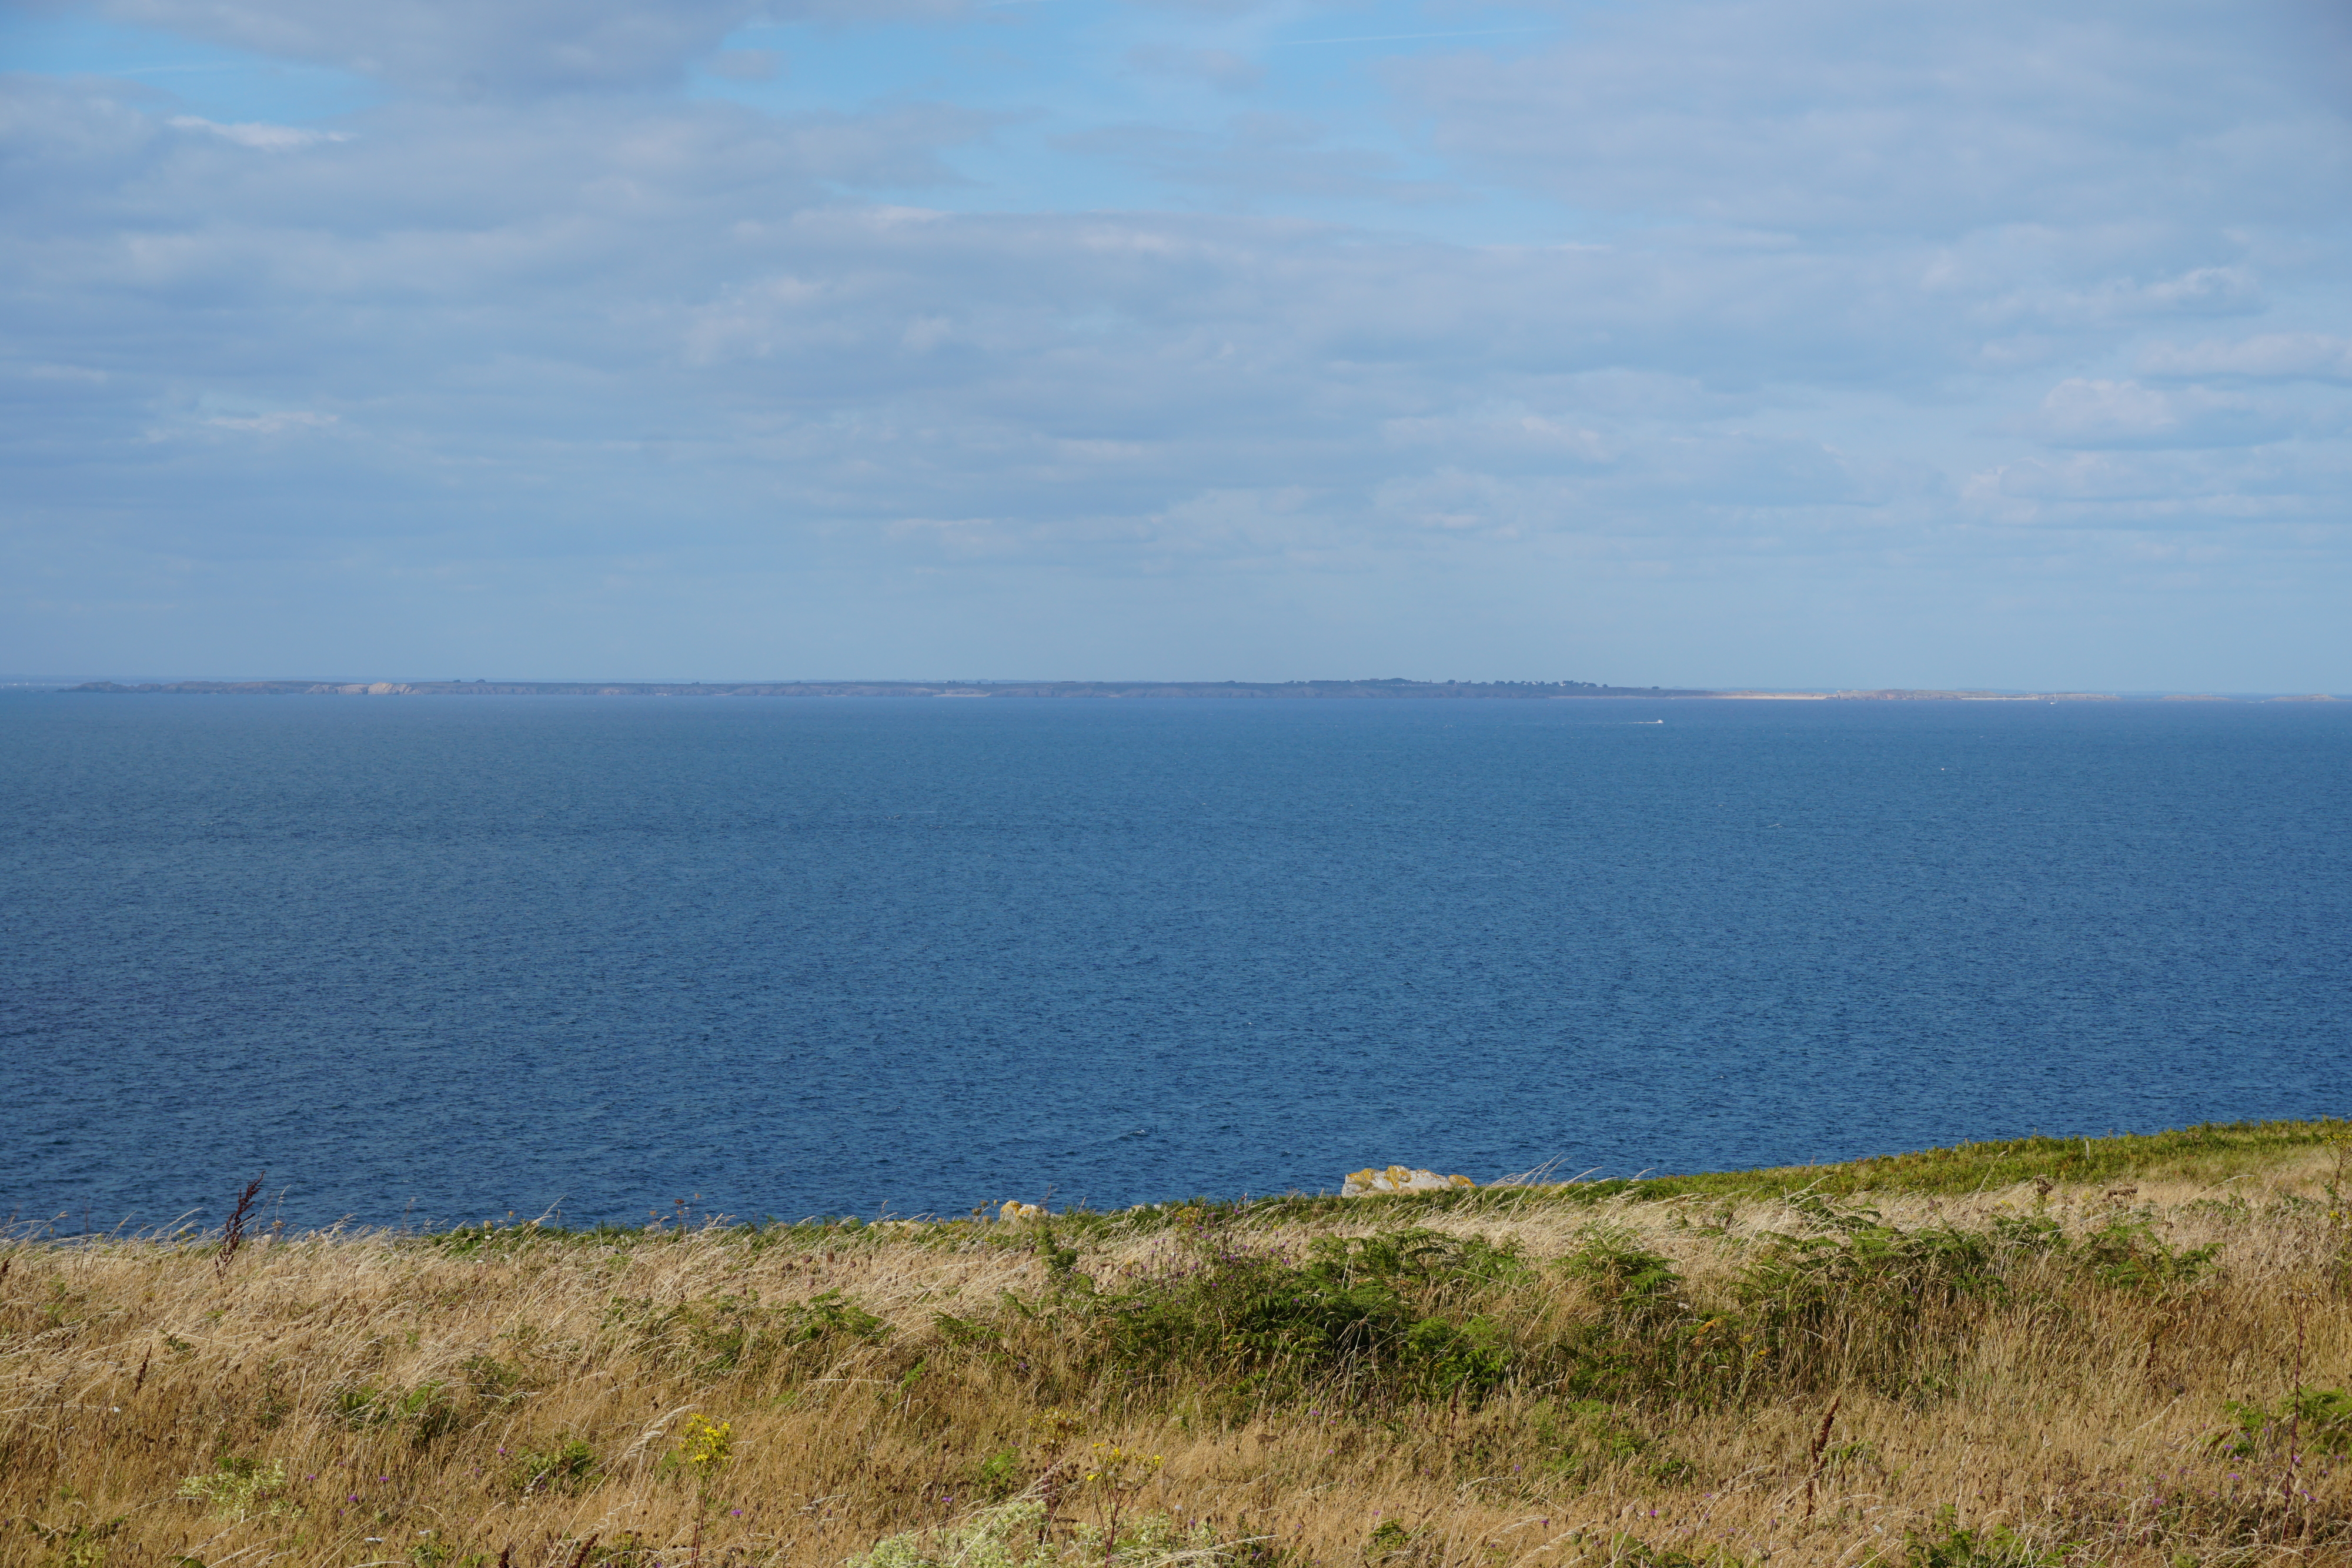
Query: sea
{"points": [[429, 961]]}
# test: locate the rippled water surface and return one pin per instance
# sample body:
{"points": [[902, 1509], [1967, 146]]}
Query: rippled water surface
{"points": [[437, 959]]}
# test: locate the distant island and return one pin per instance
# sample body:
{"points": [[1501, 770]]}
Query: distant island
{"points": [[1255, 689], [1392, 689]]}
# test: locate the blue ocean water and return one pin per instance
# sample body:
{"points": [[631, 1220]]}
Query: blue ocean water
{"points": [[433, 959]]}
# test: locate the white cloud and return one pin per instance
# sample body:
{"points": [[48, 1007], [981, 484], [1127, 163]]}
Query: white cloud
{"points": [[1255, 159], [1808, 114], [2274, 356], [2213, 492], [272, 423], [266, 137], [2122, 301], [2087, 413], [463, 47], [1504, 437], [470, 48], [2106, 476], [1817, 295]]}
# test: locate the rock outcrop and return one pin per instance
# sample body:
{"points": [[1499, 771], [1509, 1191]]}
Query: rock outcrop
{"points": [[1400, 1178]]}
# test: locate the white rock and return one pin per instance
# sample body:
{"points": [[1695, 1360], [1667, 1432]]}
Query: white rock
{"points": [[1400, 1178], [1013, 1208]]}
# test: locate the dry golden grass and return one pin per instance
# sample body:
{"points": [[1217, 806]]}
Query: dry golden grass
{"points": [[440, 1401]]}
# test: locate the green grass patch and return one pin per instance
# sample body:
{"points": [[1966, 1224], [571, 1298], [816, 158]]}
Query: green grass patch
{"points": [[2211, 1152]]}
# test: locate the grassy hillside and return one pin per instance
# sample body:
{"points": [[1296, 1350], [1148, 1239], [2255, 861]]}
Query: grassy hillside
{"points": [[2130, 1350]]}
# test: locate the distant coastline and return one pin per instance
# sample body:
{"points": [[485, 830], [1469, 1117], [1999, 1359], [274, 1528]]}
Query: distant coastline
{"points": [[1381, 690], [1248, 689]]}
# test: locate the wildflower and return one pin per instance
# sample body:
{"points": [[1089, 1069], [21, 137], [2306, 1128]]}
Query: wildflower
{"points": [[705, 1444]]}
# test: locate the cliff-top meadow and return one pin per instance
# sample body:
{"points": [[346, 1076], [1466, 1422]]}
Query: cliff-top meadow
{"points": [[2129, 1350]]}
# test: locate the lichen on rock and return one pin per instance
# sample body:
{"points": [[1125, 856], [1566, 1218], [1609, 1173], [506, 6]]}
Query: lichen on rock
{"points": [[1398, 1179]]}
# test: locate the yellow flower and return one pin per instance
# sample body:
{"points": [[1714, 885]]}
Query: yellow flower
{"points": [[705, 1444]]}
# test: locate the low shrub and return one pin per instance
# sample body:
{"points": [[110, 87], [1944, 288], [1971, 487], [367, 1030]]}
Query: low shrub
{"points": [[1381, 1314], [722, 1335], [1649, 1339], [426, 1411], [571, 1467], [2127, 1254], [1017, 1534], [1588, 1438], [240, 1488], [2318, 1420], [1949, 1546]]}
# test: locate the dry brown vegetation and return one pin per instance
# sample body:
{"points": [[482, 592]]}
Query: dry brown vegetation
{"points": [[2045, 1373]]}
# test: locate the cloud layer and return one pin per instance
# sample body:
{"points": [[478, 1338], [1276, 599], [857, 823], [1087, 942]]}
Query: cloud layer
{"points": [[1827, 343]]}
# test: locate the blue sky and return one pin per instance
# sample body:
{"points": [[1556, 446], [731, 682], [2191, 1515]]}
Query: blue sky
{"points": [[1804, 344]]}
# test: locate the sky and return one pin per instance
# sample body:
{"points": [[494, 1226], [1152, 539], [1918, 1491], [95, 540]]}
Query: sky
{"points": [[1816, 344]]}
